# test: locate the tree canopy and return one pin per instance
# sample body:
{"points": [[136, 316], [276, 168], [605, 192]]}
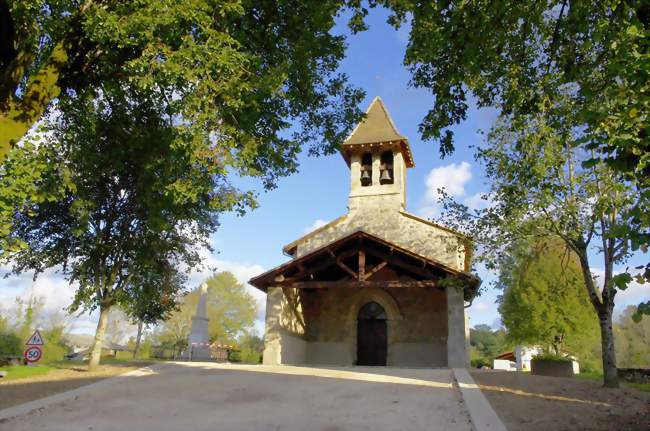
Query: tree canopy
{"points": [[519, 56], [537, 174], [241, 72], [145, 110], [632, 339], [583, 61], [544, 301], [229, 307]]}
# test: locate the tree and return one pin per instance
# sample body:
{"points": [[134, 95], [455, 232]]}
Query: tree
{"points": [[251, 348], [543, 300], [229, 307], [519, 56], [152, 296], [537, 171], [158, 102], [238, 69], [486, 343], [632, 339], [122, 193], [532, 59]]}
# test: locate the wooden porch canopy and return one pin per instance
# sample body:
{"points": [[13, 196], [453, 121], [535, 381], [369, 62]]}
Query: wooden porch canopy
{"points": [[363, 260]]}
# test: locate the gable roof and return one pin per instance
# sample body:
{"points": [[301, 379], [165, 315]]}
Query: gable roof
{"points": [[378, 127], [302, 264]]}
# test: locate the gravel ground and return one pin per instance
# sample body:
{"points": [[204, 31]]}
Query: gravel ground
{"points": [[539, 403], [204, 396]]}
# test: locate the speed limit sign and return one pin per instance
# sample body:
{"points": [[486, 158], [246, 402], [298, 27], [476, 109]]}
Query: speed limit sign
{"points": [[33, 354]]}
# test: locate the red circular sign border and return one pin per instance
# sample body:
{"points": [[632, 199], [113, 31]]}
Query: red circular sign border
{"points": [[40, 353]]}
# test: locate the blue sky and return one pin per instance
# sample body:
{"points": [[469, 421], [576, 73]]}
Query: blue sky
{"points": [[318, 193]]}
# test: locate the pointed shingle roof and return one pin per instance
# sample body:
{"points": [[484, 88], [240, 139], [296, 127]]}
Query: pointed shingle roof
{"points": [[378, 128]]}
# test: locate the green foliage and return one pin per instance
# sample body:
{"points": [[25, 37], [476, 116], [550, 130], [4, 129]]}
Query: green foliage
{"points": [[525, 57], [229, 307], [480, 363], [544, 301], [239, 70], [632, 340], [10, 344], [54, 348], [535, 172], [251, 348], [550, 356], [486, 344]]}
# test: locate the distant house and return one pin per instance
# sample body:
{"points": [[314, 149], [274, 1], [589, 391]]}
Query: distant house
{"points": [[521, 358]]}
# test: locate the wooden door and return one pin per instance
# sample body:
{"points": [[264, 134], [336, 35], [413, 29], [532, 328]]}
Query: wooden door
{"points": [[371, 342]]}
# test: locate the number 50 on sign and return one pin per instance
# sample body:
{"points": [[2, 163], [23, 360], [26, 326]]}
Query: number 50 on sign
{"points": [[33, 354]]}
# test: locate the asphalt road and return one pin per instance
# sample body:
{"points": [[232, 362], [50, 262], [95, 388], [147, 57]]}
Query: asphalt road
{"points": [[205, 396]]}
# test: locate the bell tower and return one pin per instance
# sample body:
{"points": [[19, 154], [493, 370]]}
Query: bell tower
{"points": [[378, 156]]}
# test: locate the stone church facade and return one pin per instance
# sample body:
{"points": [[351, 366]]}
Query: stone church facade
{"points": [[377, 286]]}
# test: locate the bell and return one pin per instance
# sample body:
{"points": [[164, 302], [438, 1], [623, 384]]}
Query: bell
{"points": [[365, 178], [385, 177]]}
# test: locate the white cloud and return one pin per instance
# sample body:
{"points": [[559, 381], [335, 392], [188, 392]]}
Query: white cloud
{"points": [[57, 294], [480, 306], [315, 225], [451, 178]]}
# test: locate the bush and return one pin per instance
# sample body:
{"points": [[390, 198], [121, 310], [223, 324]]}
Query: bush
{"points": [[551, 357], [479, 363], [250, 356], [10, 344], [234, 355], [54, 348]]}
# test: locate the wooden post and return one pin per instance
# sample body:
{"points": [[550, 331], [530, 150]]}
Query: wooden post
{"points": [[362, 265]]}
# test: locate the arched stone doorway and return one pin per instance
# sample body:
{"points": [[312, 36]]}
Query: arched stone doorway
{"points": [[372, 335]]}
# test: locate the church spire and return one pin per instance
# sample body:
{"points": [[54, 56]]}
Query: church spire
{"points": [[377, 128]]}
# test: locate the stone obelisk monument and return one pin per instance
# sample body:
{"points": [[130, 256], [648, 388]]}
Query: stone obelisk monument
{"points": [[198, 348]]}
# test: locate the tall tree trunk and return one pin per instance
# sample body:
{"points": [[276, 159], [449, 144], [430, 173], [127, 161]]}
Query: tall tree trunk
{"points": [[604, 308], [610, 371], [100, 333], [137, 339]]}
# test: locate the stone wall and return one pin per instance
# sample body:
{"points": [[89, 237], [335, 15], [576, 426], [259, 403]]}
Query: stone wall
{"points": [[397, 227], [417, 326], [284, 341]]}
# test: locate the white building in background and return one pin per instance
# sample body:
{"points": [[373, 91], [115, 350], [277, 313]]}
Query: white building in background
{"points": [[523, 356]]}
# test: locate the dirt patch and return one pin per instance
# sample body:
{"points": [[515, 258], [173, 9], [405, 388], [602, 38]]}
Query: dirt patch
{"points": [[14, 392], [539, 403]]}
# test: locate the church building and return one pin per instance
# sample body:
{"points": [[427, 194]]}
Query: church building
{"points": [[378, 285]]}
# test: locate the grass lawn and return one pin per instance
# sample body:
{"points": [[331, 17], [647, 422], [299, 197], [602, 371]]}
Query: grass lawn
{"points": [[16, 372], [25, 371]]}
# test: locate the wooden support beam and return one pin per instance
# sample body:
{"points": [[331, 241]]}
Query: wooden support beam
{"points": [[356, 284], [423, 272], [362, 265], [343, 266], [374, 270], [308, 271]]}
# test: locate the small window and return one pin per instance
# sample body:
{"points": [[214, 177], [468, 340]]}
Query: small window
{"points": [[386, 168], [366, 170]]}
